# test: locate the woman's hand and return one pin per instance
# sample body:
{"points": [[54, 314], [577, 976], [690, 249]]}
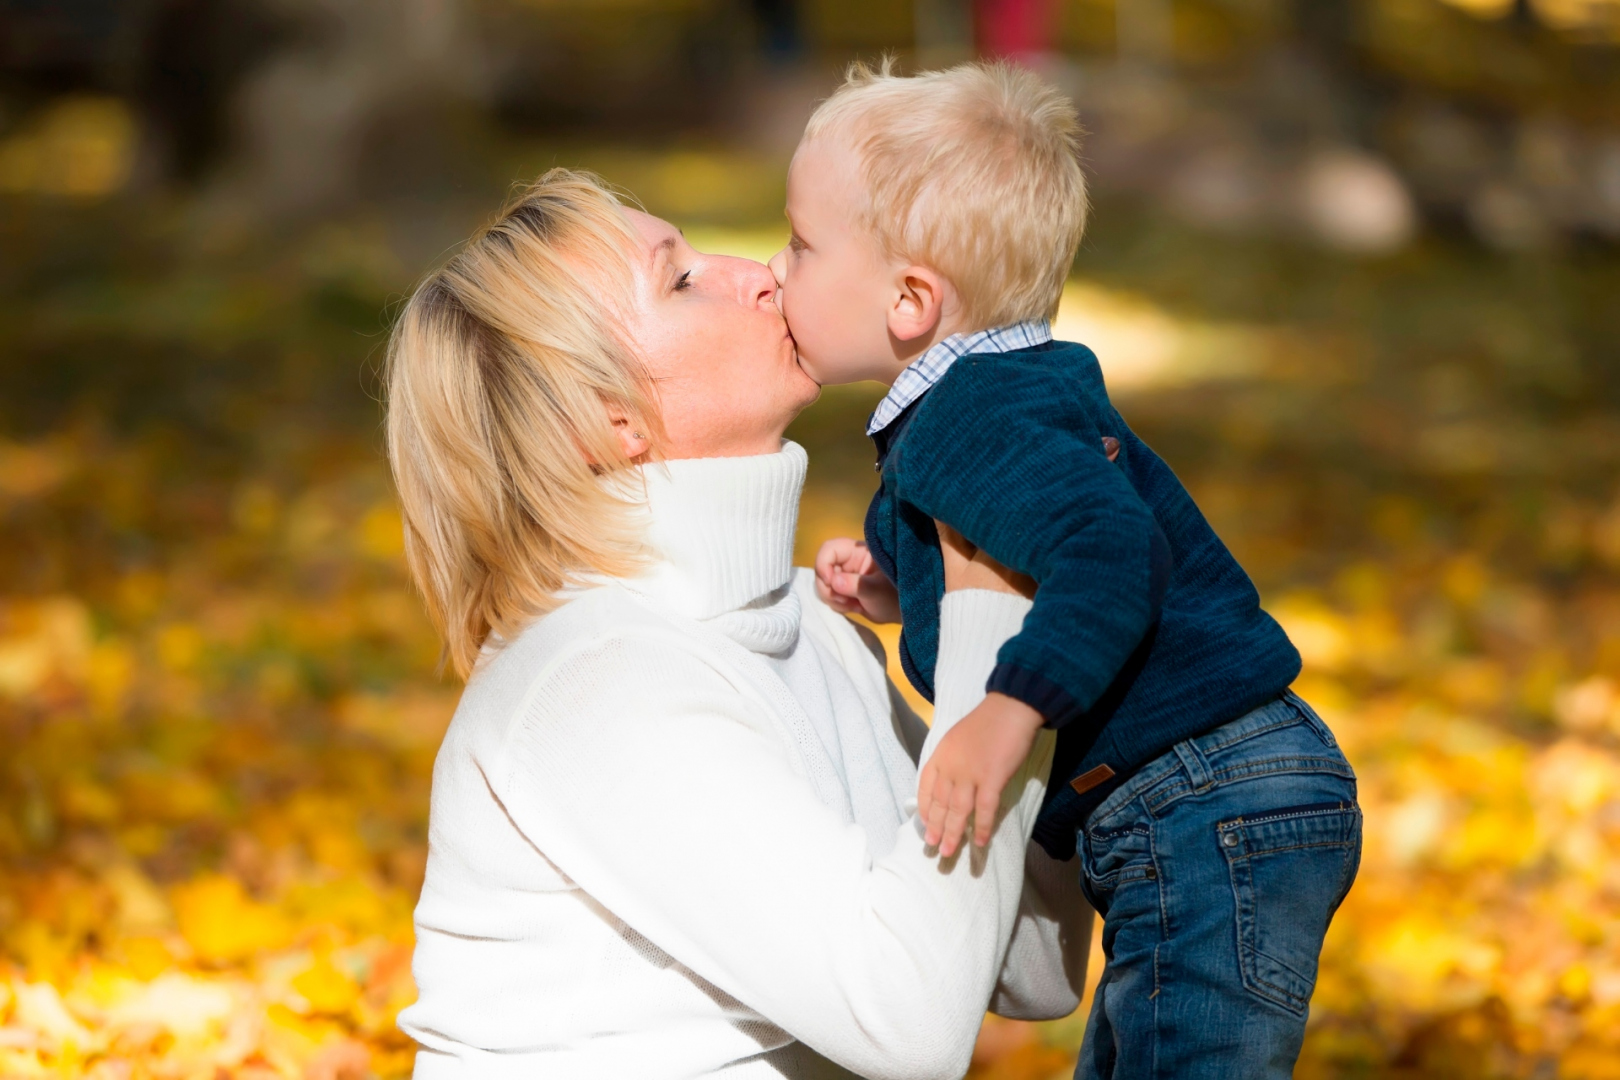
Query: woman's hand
{"points": [[968, 567], [967, 772], [848, 580]]}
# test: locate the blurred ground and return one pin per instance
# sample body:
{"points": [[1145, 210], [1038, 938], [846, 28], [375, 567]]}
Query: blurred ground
{"points": [[1391, 380]]}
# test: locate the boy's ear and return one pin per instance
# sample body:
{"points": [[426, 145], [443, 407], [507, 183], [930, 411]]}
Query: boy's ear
{"points": [[918, 304]]}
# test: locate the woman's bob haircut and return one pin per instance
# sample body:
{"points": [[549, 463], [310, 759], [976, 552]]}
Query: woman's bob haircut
{"points": [[505, 373]]}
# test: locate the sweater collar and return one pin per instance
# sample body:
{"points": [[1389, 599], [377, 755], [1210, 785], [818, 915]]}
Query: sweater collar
{"points": [[922, 373], [722, 530]]}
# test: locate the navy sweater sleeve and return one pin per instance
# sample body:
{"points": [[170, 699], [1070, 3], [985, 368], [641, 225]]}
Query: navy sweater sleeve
{"points": [[1015, 463]]}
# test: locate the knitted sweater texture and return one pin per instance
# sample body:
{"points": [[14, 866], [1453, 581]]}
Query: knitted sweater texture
{"points": [[1145, 630], [670, 834]]}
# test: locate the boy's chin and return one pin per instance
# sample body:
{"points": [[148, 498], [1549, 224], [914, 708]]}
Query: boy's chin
{"points": [[810, 369]]}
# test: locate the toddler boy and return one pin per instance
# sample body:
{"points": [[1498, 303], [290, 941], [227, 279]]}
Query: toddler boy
{"points": [[934, 222]]}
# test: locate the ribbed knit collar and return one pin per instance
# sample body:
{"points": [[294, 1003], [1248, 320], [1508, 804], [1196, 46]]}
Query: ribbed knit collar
{"points": [[723, 531]]}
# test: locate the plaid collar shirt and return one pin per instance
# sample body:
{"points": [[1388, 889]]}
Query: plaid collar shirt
{"points": [[923, 372]]}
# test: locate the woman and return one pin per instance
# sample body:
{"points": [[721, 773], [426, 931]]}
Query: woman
{"points": [[668, 834]]}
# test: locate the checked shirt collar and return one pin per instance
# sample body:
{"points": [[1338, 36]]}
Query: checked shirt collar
{"points": [[923, 372]]}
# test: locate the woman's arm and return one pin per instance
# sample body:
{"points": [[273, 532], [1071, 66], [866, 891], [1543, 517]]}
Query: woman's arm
{"points": [[659, 785]]}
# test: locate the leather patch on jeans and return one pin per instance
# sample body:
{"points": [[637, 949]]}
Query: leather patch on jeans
{"points": [[1091, 778]]}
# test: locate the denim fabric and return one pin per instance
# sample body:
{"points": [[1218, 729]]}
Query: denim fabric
{"points": [[1217, 868]]}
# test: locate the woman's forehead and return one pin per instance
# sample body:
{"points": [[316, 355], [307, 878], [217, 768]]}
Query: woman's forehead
{"points": [[655, 232]]}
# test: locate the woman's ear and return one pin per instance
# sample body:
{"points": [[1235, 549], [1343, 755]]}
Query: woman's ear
{"points": [[918, 305], [632, 440]]}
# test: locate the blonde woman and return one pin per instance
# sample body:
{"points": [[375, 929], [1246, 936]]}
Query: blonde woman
{"points": [[669, 834]]}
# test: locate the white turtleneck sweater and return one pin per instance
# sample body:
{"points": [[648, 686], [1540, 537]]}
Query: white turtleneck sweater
{"points": [[671, 831]]}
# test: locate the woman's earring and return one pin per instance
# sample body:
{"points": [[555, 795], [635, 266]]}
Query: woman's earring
{"points": [[637, 435]]}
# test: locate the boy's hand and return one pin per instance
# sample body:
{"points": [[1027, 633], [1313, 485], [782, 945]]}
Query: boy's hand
{"points": [[848, 580], [969, 769]]}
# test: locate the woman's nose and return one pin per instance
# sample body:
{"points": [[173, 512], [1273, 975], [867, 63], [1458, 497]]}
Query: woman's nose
{"points": [[759, 283]]}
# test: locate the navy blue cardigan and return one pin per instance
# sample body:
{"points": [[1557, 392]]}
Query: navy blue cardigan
{"points": [[1145, 630]]}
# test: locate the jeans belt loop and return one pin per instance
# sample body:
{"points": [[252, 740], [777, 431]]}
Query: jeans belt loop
{"points": [[1193, 760]]}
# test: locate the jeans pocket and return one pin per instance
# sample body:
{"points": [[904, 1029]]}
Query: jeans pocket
{"points": [[1113, 857], [1290, 870]]}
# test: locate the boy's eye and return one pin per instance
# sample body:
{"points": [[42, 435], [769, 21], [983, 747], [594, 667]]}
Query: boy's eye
{"points": [[684, 281], [795, 244]]}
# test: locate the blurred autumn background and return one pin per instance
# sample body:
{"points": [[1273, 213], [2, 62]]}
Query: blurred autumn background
{"points": [[1354, 271]]}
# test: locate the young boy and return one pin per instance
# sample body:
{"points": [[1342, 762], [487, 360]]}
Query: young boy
{"points": [[934, 222]]}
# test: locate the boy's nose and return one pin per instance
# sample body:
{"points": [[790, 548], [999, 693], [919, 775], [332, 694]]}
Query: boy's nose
{"points": [[778, 265]]}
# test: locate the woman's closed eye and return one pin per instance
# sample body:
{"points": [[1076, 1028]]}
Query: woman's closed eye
{"points": [[684, 281]]}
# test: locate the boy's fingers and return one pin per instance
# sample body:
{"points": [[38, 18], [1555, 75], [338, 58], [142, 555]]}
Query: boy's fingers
{"points": [[985, 806], [961, 806], [925, 797], [831, 556], [832, 599], [938, 808]]}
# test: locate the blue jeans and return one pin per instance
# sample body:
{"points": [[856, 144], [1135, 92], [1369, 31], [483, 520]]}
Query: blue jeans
{"points": [[1216, 869]]}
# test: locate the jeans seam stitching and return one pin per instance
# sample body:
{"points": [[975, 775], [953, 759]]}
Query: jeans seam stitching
{"points": [[1313, 764], [1291, 847], [1215, 748], [1234, 773], [1138, 787], [1164, 938], [1285, 993], [1275, 816]]}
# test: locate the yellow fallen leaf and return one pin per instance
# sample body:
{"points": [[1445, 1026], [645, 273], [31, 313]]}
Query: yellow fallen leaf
{"points": [[328, 988], [222, 923]]}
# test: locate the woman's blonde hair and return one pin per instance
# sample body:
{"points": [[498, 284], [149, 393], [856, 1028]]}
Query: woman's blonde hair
{"points": [[973, 172], [501, 370]]}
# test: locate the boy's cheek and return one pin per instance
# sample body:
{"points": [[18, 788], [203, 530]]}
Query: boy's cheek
{"points": [[809, 368]]}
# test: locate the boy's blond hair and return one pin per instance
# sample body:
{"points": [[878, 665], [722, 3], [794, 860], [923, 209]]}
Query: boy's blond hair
{"points": [[973, 172], [500, 373]]}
